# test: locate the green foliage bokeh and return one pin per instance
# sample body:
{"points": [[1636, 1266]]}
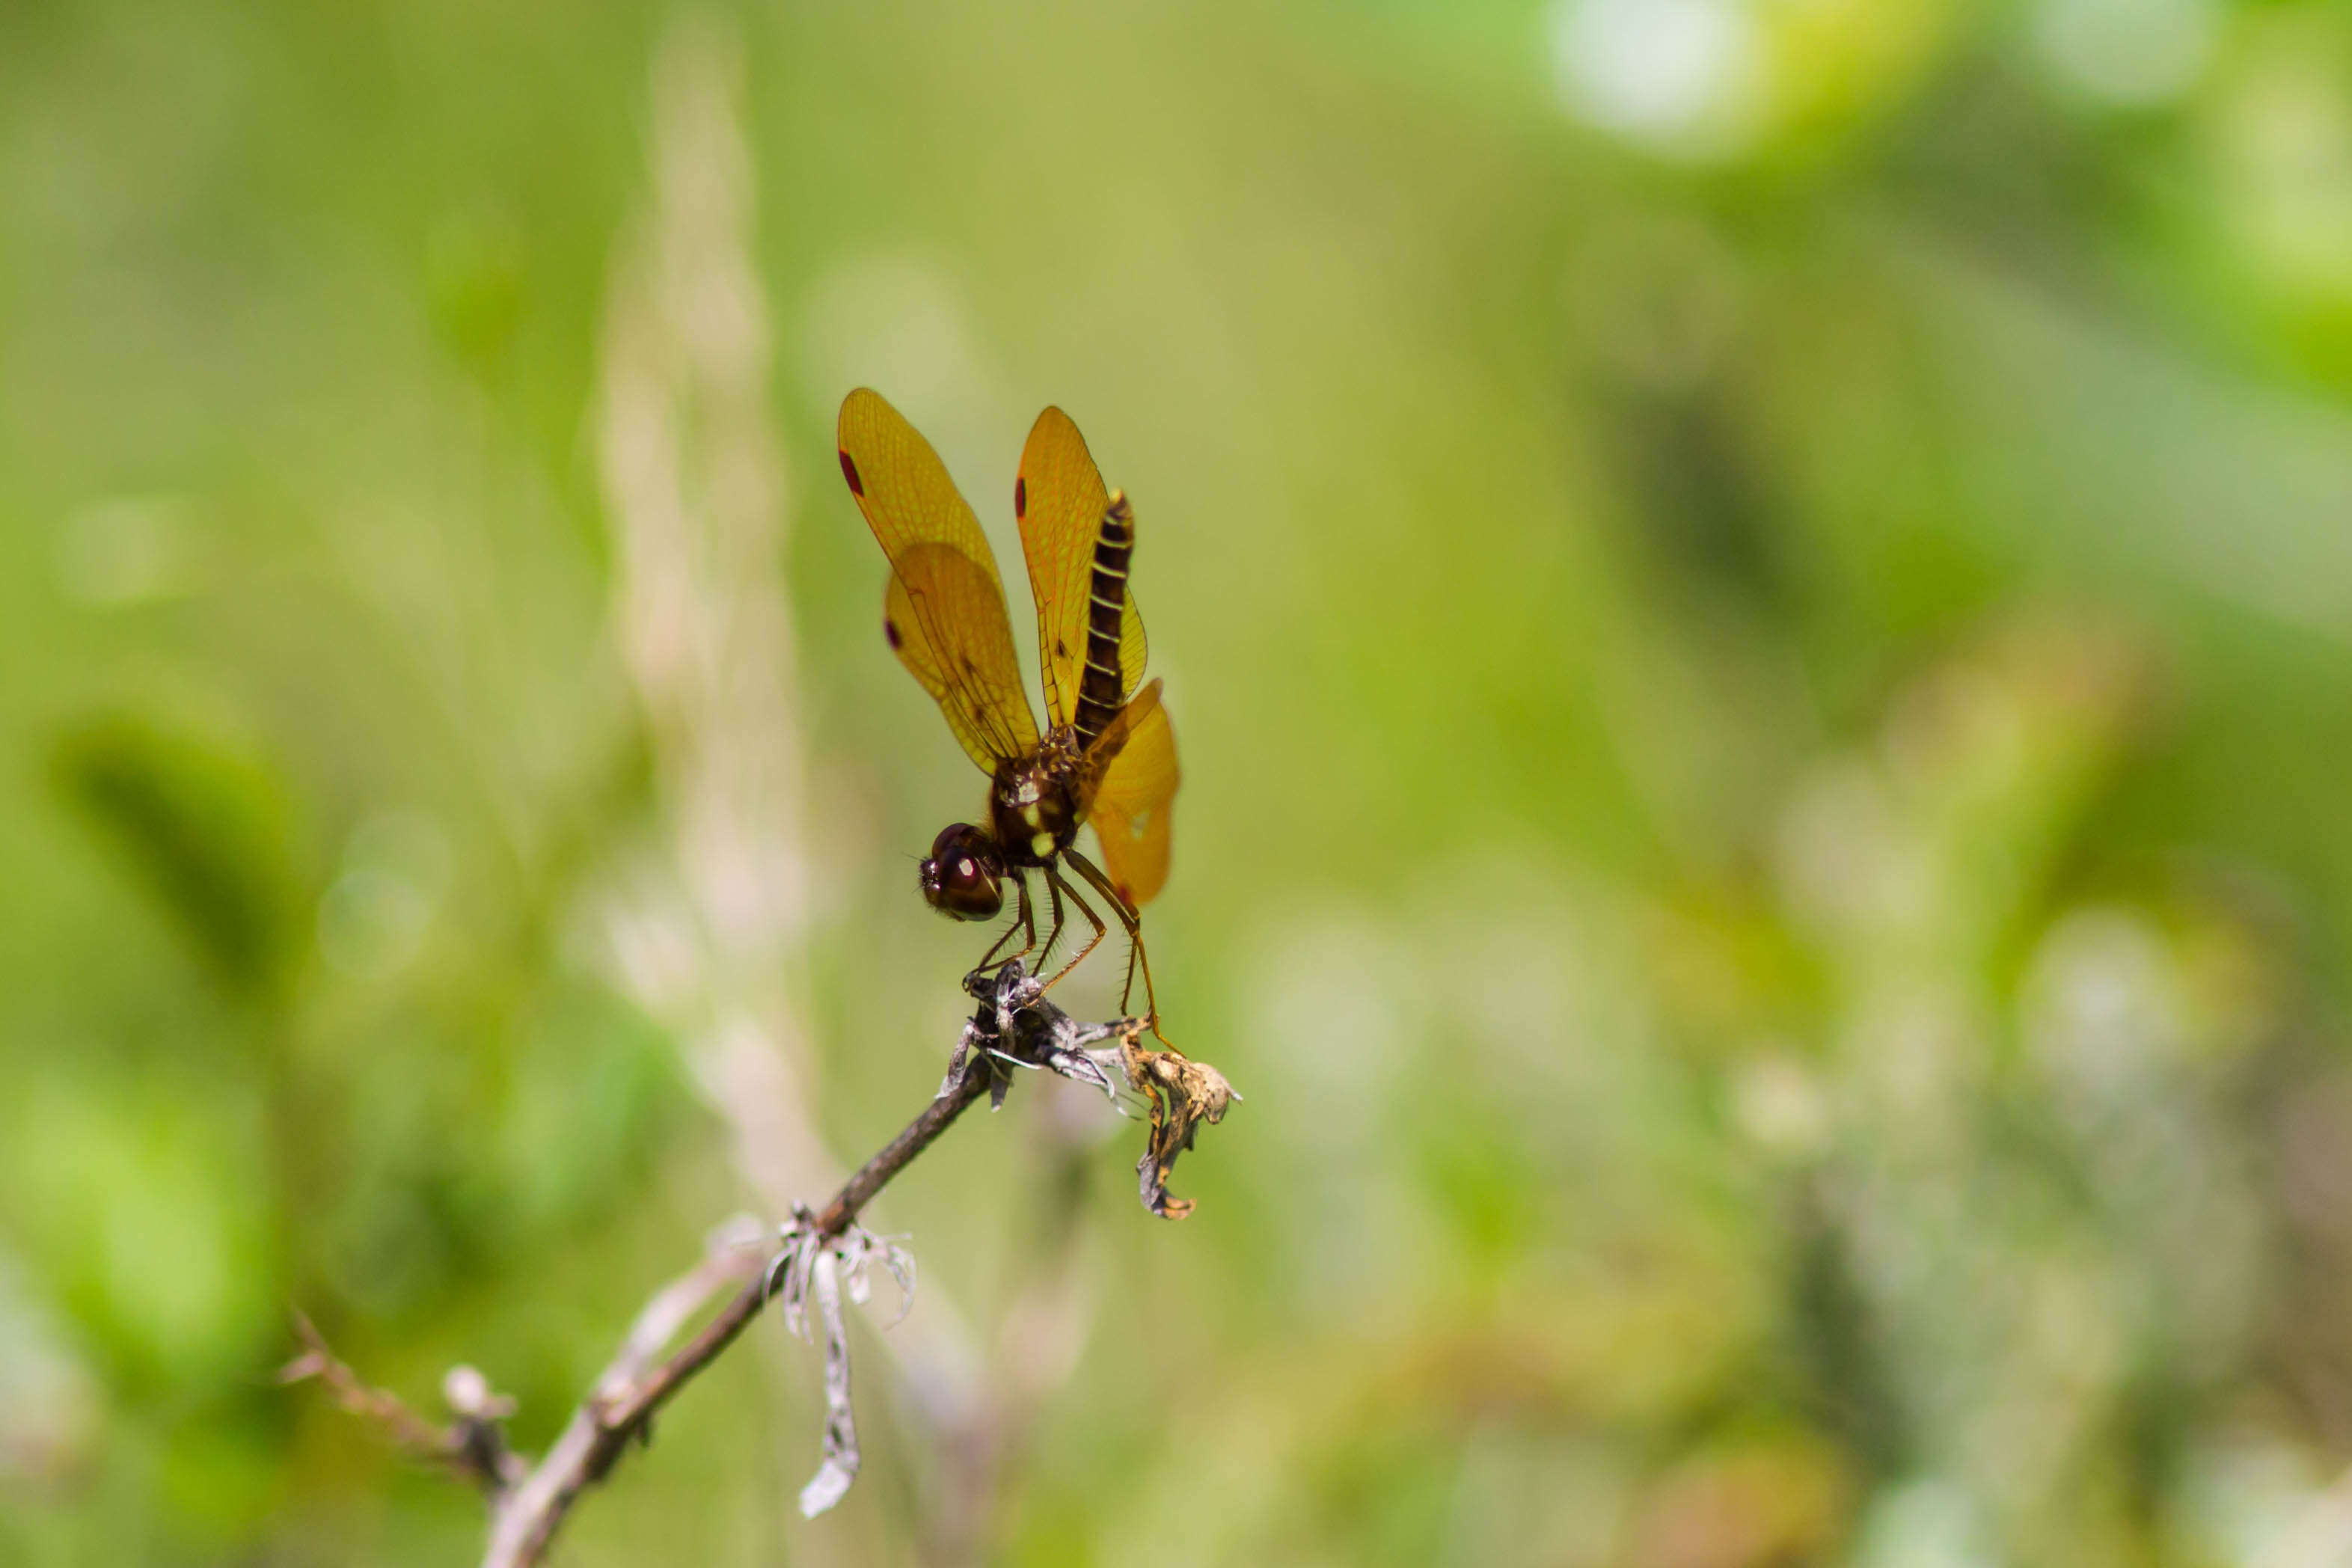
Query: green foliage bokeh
{"points": [[1757, 598]]}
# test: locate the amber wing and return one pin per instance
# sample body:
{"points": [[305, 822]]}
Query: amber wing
{"points": [[1132, 802], [944, 614], [1059, 501]]}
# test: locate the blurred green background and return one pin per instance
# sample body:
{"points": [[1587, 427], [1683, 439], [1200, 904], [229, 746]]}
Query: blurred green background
{"points": [[1757, 596]]}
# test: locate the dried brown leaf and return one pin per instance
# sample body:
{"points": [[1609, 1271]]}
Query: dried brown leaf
{"points": [[1183, 1094]]}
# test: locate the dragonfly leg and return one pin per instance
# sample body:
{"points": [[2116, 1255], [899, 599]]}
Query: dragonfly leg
{"points": [[1025, 921], [1136, 957], [1053, 881], [1054, 894]]}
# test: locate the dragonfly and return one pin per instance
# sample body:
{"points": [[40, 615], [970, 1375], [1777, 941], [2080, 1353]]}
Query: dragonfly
{"points": [[1108, 755]]}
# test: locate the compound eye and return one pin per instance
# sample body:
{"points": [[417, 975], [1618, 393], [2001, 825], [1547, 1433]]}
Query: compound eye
{"points": [[962, 876]]}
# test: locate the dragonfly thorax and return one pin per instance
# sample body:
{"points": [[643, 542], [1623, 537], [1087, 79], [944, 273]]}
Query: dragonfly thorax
{"points": [[1033, 806]]}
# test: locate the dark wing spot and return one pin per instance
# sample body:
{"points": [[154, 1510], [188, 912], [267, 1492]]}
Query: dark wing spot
{"points": [[977, 716], [1020, 498], [849, 472], [1061, 649], [970, 668], [890, 630]]}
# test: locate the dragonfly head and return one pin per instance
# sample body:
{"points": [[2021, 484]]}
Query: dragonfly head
{"points": [[960, 876]]}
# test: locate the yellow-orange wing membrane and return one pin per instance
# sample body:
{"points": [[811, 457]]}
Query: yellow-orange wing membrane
{"points": [[944, 614], [1059, 500], [1132, 802]]}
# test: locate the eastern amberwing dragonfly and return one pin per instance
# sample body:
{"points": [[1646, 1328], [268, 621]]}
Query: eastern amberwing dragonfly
{"points": [[1108, 756]]}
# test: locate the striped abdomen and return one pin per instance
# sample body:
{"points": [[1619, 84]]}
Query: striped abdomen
{"points": [[1103, 690]]}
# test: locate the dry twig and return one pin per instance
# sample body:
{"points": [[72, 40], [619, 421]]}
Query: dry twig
{"points": [[474, 1447], [634, 1387], [825, 1253]]}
